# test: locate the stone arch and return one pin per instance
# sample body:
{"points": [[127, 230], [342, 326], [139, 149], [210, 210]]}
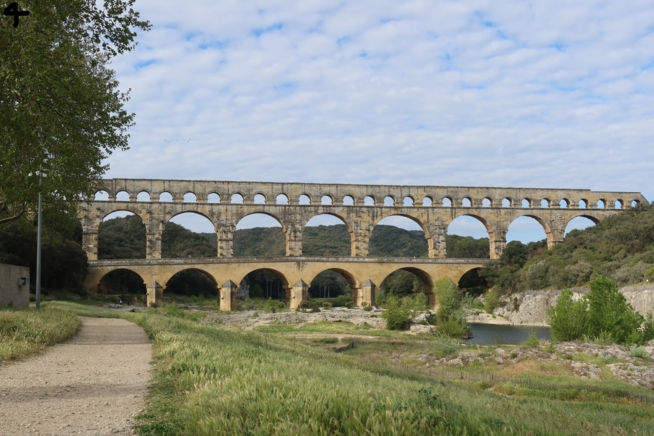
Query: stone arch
{"points": [[119, 194], [583, 204], [594, 219], [580, 224], [286, 285], [408, 201], [619, 204], [281, 198], [545, 203], [487, 202], [423, 276], [131, 209], [471, 282], [101, 194], [564, 203], [492, 237], [141, 196], [170, 216], [552, 235], [165, 200], [190, 197], [507, 202], [172, 283], [213, 198], [389, 214], [447, 202], [526, 203], [427, 201], [304, 199], [349, 278], [601, 204], [265, 219], [105, 282], [467, 202], [259, 198], [236, 198], [342, 219], [369, 200], [389, 201], [348, 200], [326, 200]]}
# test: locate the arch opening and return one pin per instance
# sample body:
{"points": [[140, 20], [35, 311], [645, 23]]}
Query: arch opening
{"points": [[526, 203], [467, 237], [348, 200], [213, 198], [618, 204], [304, 199], [466, 202], [101, 196], [143, 196], [333, 285], [635, 203], [281, 199], [121, 235], [410, 284], [563, 204], [259, 199], [166, 197], [236, 199], [582, 204], [506, 202], [579, 223], [427, 202], [190, 282], [398, 236], [259, 234], [126, 285], [407, 202], [472, 284], [447, 202], [526, 229], [326, 235], [389, 201], [122, 196], [601, 204], [368, 201], [486, 202], [326, 200], [190, 197], [261, 285], [545, 203], [188, 235]]}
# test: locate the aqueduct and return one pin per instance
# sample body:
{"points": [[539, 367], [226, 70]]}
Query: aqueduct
{"points": [[360, 207]]}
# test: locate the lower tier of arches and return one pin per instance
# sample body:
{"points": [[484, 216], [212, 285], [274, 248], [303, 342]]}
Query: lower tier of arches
{"points": [[363, 275]]}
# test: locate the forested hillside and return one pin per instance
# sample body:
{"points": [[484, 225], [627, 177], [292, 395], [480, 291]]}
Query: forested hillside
{"points": [[620, 247]]}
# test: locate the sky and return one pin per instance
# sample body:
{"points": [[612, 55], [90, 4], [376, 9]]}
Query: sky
{"points": [[551, 94]]}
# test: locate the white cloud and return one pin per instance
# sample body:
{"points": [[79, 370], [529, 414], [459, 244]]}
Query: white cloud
{"points": [[483, 93]]}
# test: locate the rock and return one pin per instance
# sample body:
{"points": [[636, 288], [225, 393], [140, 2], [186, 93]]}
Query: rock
{"points": [[500, 352], [454, 362], [422, 329]]}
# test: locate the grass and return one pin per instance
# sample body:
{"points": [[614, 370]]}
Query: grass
{"points": [[211, 379], [24, 332]]}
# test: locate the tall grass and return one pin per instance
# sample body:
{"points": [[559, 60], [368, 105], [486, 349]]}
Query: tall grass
{"points": [[24, 332], [214, 380]]}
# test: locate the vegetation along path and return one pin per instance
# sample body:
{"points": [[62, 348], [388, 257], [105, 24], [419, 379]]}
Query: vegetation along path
{"points": [[92, 384]]}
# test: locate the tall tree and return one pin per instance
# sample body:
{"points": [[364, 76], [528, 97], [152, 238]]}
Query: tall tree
{"points": [[61, 111]]}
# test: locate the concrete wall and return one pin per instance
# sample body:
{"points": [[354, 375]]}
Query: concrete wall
{"points": [[11, 293]]}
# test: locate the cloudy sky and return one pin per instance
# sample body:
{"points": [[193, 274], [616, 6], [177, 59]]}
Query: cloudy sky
{"points": [[474, 93]]}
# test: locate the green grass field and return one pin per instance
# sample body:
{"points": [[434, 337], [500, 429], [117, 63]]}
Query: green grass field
{"points": [[211, 379]]}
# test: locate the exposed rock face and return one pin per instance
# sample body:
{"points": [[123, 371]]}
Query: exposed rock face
{"points": [[530, 307]]}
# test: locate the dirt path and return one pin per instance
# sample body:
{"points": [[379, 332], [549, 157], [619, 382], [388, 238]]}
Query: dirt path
{"points": [[90, 385]]}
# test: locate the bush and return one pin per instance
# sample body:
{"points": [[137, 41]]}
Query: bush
{"points": [[603, 313], [397, 317], [491, 301], [349, 304], [450, 319], [532, 341], [341, 300], [453, 328], [638, 351], [367, 308], [327, 305], [648, 327]]}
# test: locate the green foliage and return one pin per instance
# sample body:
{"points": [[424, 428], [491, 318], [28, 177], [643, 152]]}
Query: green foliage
{"points": [[64, 263], [648, 327], [609, 311], [568, 319], [491, 301], [450, 319], [310, 305], [620, 247], [397, 316], [24, 331], [122, 238], [639, 351], [61, 110], [532, 341], [603, 313]]}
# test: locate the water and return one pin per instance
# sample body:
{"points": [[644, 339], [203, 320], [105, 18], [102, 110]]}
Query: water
{"points": [[489, 334]]}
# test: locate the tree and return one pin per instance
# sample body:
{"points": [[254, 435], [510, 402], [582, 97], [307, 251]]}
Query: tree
{"points": [[609, 312], [60, 108], [568, 318]]}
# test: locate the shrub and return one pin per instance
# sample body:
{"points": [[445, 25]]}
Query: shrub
{"points": [[367, 308], [568, 319], [648, 327], [255, 315], [453, 328], [341, 300], [532, 341], [639, 351], [349, 304], [327, 305], [397, 317], [609, 311], [491, 301]]}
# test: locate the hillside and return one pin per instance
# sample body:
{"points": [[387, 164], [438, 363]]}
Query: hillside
{"points": [[621, 247]]}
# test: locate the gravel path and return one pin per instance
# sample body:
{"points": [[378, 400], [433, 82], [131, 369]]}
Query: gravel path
{"points": [[90, 385]]}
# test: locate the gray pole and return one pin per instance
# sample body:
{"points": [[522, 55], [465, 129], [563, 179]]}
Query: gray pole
{"points": [[38, 252]]}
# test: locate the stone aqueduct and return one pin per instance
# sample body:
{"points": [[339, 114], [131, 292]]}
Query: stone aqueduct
{"points": [[360, 207]]}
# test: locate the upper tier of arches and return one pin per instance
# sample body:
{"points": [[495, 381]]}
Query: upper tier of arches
{"points": [[182, 191]]}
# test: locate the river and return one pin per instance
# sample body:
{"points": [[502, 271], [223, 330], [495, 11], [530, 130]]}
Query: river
{"points": [[490, 334]]}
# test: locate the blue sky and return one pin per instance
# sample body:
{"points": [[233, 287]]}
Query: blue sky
{"points": [[473, 93]]}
